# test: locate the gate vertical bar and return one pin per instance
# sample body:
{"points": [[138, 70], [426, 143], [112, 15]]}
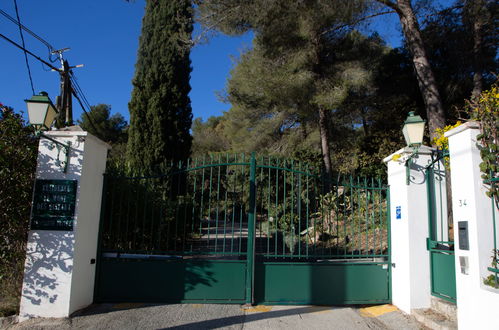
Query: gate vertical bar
{"points": [[429, 174], [251, 233]]}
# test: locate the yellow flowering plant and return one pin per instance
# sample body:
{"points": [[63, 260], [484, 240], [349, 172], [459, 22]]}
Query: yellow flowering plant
{"points": [[485, 110], [442, 143]]}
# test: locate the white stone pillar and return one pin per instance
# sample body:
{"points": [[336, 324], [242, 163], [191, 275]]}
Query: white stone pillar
{"points": [[477, 304], [409, 229], [60, 264]]}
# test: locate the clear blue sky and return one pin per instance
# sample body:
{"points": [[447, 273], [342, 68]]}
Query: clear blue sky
{"points": [[103, 35]]}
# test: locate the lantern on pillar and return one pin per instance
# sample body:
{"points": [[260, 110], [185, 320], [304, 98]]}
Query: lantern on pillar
{"points": [[41, 111], [413, 130]]}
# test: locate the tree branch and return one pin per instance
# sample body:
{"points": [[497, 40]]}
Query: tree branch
{"points": [[336, 28], [444, 11], [392, 5]]}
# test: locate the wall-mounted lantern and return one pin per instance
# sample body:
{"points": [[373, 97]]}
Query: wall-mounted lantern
{"points": [[42, 113]]}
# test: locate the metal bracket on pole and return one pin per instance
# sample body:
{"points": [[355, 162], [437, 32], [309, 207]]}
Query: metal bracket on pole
{"points": [[408, 163]]}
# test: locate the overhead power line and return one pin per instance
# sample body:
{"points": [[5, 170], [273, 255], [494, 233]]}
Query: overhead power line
{"points": [[76, 92], [80, 91], [33, 34], [30, 53], [82, 99], [24, 46], [85, 111]]}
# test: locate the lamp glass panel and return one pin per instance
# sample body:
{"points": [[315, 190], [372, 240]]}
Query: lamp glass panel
{"points": [[51, 114], [37, 112], [413, 133]]}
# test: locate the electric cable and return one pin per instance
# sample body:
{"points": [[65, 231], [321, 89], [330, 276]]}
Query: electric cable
{"points": [[76, 92], [30, 53], [24, 46], [74, 81], [73, 91], [82, 99], [33, 34], [83, 108], [80, 93]]}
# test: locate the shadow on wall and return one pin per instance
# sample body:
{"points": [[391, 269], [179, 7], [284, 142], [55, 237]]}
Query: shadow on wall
{"points": [[49, 255], [421, 174], [49, 263], [50, 164]]}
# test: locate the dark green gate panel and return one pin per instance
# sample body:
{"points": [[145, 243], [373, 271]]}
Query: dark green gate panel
{"points": [[244, 230], [321, 283], [172, 281], [443, 279]]}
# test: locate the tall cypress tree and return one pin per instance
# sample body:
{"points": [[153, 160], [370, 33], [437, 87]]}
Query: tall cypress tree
{"points": [[160, 110]]}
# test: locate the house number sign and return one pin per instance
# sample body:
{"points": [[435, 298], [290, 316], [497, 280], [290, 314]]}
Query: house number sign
{"points": [[54, 205]]}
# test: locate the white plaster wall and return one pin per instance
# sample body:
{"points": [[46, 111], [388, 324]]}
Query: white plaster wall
{"points": [[477, 304], [399, 233], [49, 257], [411, 272], [87, 222], [58, 276], [47, 275]]}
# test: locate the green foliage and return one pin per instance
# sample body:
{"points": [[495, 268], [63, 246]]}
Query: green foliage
{"points": [[485, 110], [493, 280], [271, 111], [351, 208], [295, 75], [18, 150], [311, 58], [110, 129], [131, 210], [160, 111], [449, 42], [209, 136]]}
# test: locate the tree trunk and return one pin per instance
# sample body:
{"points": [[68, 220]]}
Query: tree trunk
{"points": [[324, 133], [323, 115], [477, 50], [474, 11], [365, 128], [426, 80]]}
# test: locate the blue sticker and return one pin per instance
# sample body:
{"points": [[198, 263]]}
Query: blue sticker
{"points": [[398, 212]]}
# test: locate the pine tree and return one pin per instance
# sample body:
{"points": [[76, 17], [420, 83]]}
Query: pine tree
{"points": [[300, 34], [160, 110]]}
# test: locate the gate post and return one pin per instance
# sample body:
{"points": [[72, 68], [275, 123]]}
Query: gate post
{"points": [[409, 228], [476, 228], [59, 269], [250, 253]]}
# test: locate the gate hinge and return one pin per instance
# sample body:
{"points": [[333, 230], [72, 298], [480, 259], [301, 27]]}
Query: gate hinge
{"points": [[430, 244]]}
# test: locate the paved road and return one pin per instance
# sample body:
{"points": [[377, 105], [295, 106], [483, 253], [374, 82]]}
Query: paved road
{"points": [[197, 316]]}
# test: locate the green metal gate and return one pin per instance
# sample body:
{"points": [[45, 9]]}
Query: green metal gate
{"points": [[440, 242], [238, 229]]}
